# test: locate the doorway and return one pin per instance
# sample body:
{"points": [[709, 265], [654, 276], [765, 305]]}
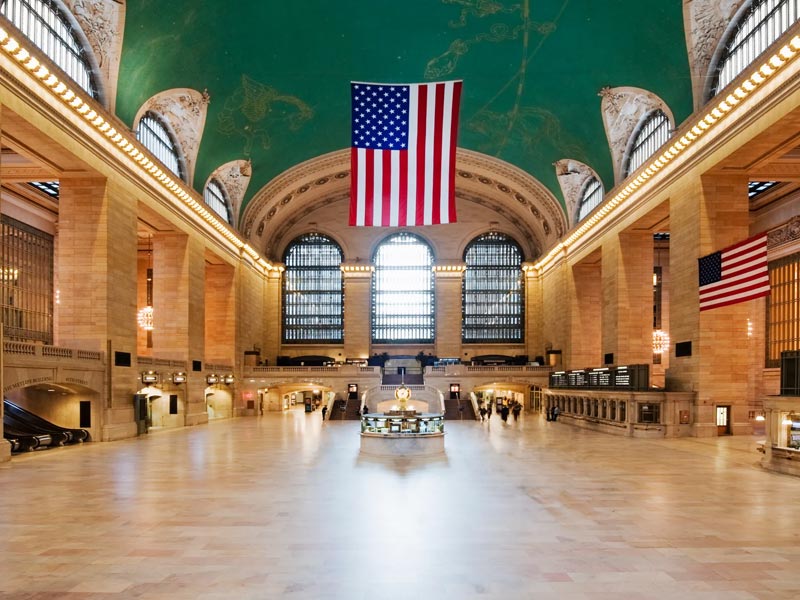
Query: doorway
{"points": [[723, 420]]}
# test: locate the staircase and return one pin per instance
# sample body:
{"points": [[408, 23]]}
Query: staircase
{"points": [[458, 410]]}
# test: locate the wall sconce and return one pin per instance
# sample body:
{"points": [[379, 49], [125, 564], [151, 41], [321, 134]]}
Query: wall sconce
{"points": [[149, 377], [179, 377], [228, 379], [212, 379]]}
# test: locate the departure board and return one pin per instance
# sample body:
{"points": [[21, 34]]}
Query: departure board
{"points": [[629, 377]]}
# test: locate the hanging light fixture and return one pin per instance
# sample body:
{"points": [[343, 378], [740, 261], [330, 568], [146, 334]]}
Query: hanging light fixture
{"points": [[145, 315], [660, 341]]}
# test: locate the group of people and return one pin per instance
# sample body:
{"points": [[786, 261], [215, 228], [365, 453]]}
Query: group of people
{"points": [[552, 413], [511, 407]]}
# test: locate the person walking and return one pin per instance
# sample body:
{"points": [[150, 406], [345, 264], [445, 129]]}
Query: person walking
{"points": [[504, 413], [556, 412], [516, 410], [324, 411], [483, 412]]}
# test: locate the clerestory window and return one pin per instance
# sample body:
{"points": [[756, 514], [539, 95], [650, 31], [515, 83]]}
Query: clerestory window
{"points": [[493, 301], [402, 291], [651, 135], [153, 133], [47, 26], [761, 25], [313, 298]]}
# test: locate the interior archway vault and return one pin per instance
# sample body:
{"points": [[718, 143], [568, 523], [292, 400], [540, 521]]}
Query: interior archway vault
{"points": [[527, 209]]}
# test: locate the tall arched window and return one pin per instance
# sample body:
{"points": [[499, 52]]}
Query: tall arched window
{"points": [[763, 23], [217, 200], [590, 197], [651, 135], [313, 299], [402, 291], [153, 133], [49, 29], [493, 298]]}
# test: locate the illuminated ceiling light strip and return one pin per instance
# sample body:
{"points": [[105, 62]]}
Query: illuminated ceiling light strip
{"points": [[772, 65]]}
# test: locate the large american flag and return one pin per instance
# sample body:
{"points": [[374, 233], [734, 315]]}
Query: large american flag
{"points": [[735, 274], [403, 153]]}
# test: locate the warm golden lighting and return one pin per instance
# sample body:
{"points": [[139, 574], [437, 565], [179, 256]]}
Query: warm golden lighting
{"points": [[660, 341], [145, 318]]}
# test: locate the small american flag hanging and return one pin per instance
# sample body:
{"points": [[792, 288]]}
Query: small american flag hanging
{"points": [[735, 274], [403, 153]]}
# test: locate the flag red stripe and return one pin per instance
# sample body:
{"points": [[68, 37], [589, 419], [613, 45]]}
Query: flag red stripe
{"points": [[436, 199], [422, 111], [353, 186], [750, 283], [369, 186], [453, 145], [737, 300], [386, 191], [403, 211]]}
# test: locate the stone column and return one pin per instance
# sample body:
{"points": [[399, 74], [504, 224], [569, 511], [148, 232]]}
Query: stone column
{"points": [[534, 341], [5, 447], [586, 317], [627, 280], [711, 215], [357, 309], [96, 262], [447, 290], [179, 312], [556, 313], [220, 303], [273, 314]]}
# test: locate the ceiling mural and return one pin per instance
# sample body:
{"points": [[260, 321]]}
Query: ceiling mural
{"points": [[278, 73]]}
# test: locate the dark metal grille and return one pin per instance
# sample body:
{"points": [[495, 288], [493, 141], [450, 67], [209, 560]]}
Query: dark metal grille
{"points": [[155, 137], [653, 133], [26, 276], [493, 296], [764, 22], [402, 291], [51, 188], [43, 24], [313, 298], [783, 308], [215, 198], [754, 188], [591, 197]]}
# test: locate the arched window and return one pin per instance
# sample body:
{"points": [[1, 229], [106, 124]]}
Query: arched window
{"points": [[217, 200], [763, 23], [402, 291], [493, 300], [590, 198], [49, 29], [651, 135], [313, 299], [153, 133]]}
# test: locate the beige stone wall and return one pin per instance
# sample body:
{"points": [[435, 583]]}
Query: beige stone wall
{"points": [[585, 341], [97, 268], [357, 311], [447, 290], [220, 308]]}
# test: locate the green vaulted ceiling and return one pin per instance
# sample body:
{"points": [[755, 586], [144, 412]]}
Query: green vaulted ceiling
{"points": [[278, 71]]}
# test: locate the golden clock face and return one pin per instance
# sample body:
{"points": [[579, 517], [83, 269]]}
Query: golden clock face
{"points": [[402, 393]]}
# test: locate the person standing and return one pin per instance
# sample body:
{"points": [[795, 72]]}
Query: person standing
{"points": [[556, 412], [324, 410]]}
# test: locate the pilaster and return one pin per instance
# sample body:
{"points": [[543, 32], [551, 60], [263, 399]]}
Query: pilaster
{"points": [[273, 316], [357, 311], [96, 262], [448, 292], [627, 297]]}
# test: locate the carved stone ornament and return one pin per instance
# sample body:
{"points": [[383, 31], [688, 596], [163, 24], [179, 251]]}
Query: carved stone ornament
{"points": [[185, 111], [572, 177], [235, 177], [102, 22], [787, 233], [705, 23], [623, 109]]}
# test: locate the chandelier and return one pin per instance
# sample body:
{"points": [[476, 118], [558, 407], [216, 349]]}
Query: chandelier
{"points": [[145, 318], [660, 341]]}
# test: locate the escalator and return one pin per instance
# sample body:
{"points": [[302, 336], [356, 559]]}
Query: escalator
{"points": [[27, 431]]}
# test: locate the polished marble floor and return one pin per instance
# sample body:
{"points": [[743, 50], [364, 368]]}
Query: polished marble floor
{"points": [[283, 506]]}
